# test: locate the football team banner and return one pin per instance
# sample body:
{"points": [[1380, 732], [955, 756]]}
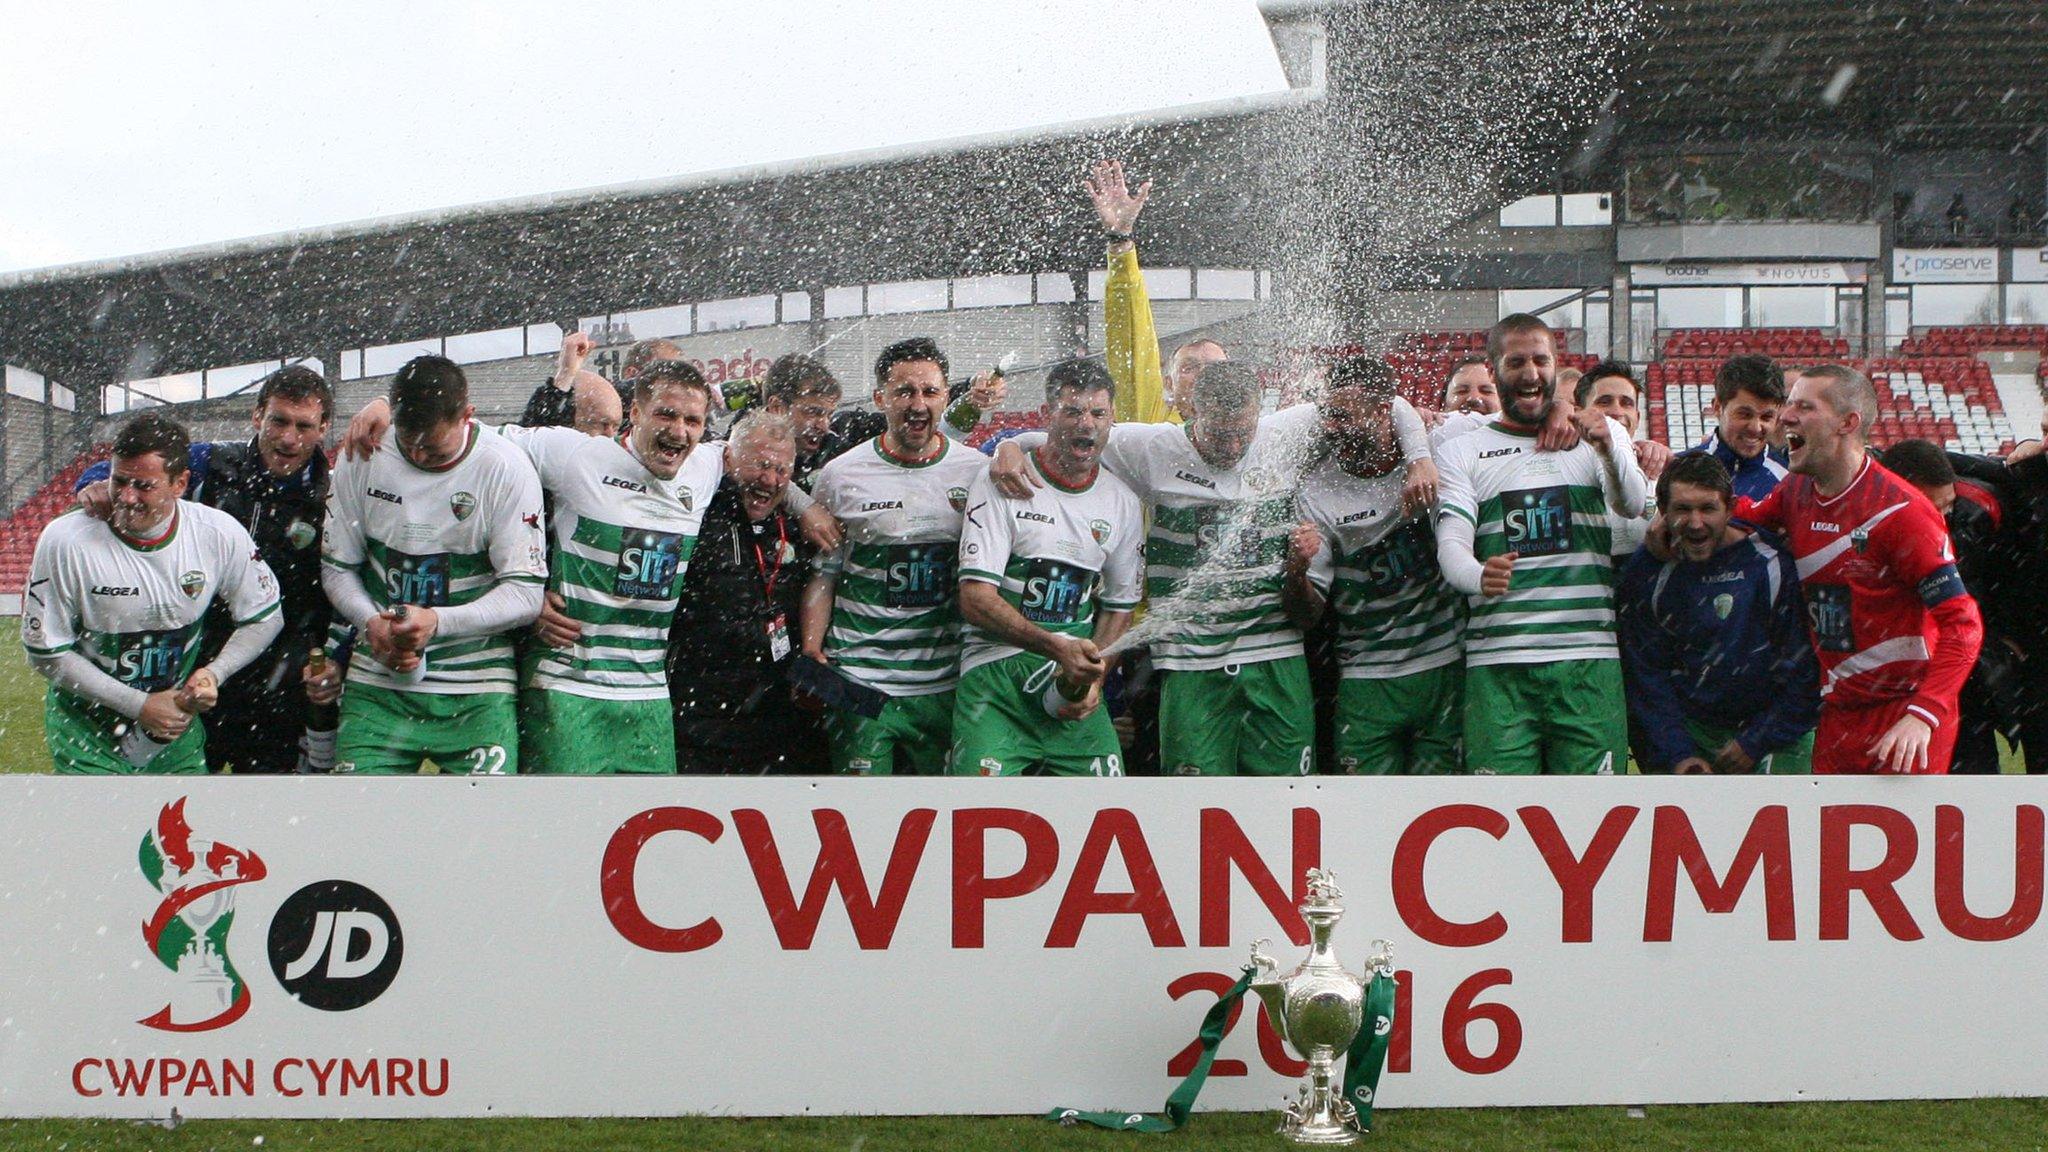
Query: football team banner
{"points": [[530, 946]]}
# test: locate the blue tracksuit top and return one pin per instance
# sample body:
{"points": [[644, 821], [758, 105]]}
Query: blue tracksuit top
{"points": [[1753, 478], [1723, 643]]}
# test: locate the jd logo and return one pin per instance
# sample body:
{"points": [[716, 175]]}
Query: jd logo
{"points": [[335, 945], [188, 932]]}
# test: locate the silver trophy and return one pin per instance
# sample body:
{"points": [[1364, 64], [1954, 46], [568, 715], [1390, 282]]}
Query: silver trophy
{"points": [[1317, 1009]]}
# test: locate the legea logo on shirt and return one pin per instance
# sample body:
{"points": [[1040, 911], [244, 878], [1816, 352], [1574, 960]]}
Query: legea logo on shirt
{"points": [[1537, 521]]}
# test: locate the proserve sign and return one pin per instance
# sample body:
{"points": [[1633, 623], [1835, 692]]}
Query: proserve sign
{"points": [[544, 946], [1944, 265]]}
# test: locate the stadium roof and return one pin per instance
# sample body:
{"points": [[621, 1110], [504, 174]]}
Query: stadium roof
{"points": [[1905, 73], [1926, 71]]}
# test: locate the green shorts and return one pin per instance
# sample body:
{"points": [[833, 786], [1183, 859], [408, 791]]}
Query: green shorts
{"points": [[82, 743], [563, 734], [1794, 759], [1564, 718], [918, 728], [1401, 725], [1244, 719], [388, 733], [1000, 729]]}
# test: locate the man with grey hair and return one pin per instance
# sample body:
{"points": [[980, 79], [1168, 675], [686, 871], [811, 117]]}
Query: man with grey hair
{"points": [[1895, 630], [730, 643]]}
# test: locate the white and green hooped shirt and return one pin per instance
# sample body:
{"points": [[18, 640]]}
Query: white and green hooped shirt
{"points": [[135, 609], [1057, 557], [895, 624], [622, 540], [1395, 615], [437, 538]]}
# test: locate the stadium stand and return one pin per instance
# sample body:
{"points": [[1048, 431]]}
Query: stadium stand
{"points": [[18, 532], [1781, 343], [1950, 400]]}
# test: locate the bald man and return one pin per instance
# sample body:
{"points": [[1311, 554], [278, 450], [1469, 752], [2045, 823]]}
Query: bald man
{"points": [[596, 407]]}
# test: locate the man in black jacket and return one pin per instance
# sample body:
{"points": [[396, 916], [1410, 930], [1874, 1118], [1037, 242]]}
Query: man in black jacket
{"points": [[735, 623], [2011, 594], [275, 484]]}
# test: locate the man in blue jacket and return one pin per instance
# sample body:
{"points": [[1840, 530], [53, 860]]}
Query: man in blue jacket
{"points": [[1721, 677], [1749, 389]]}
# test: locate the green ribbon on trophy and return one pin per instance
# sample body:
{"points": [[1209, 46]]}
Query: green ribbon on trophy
{"points": [[1181, 1101], [1364, 1060], [1367, 1056]]}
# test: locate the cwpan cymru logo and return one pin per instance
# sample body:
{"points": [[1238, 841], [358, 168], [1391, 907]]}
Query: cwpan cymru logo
{"points": [[188, 933]]}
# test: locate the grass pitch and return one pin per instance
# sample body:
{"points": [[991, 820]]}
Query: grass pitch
{"points": [[2001, 1125]]}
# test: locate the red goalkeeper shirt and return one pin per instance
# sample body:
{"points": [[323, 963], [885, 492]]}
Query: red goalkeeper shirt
{"points": [[1887, 612]]}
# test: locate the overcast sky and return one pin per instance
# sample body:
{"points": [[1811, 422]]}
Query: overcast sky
{"points": [[136, 127]]}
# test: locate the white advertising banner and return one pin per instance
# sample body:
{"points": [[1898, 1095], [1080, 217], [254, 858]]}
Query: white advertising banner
{"points": [[338, 947], [1784, 274], [2029, 265], [1944, 265]]}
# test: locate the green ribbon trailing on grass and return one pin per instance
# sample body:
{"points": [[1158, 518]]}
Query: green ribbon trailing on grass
{"points": [[1181, 1101], [1363, 1062]]}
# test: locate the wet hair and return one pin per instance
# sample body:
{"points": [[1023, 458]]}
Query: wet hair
{"points": [[1367, 372], [674, 374], [1226, 386], [1700, 469], [1848, 391], [1083, 376], [797, 375], [1514, 324], [1604, 370], [645, 354], [756, 423], [1921, 463], [148, 432], [296, 383], [428, 393], [908, 352], [1751, 372]]}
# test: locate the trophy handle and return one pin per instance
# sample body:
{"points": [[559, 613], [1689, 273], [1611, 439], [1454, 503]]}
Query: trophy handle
{"points": [[1381, 962]]}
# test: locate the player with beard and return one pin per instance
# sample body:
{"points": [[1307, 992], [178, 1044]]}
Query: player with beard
{"points": [[434, 553], [1221, 494], [1045, 585], [881, 607], [275, 485], [1721, 678], [1400, 701], [113, 613], [1895, 631], [1527, 536]]}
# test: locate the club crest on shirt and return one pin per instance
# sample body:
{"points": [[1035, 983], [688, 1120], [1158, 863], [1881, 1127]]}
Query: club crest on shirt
{"points": [[301, 534], [1723, 605], [1261, 479], [191, 583], [462, 504], [1101, 530], [1860, 540], [957, 497]]}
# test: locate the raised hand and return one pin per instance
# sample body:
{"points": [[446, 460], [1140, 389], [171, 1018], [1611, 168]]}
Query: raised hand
{"points": [[1115, 204]]}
